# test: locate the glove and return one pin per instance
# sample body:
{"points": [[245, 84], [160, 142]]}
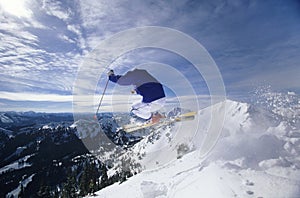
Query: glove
{"points": [[111, 72]]}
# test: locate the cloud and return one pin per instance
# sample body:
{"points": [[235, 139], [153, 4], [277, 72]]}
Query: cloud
{"points": [[77, 30], [66, 38], [101, 19], [252, 42], [246, 39], [16, 8], [27, 62], [23, 96], [55, 8], [25, 101], [37, 106]]}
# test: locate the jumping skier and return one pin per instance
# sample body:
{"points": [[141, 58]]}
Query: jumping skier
{"points": [[148, 87]]}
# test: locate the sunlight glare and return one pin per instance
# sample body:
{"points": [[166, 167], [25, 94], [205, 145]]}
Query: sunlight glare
{"points": [[16, 7]]}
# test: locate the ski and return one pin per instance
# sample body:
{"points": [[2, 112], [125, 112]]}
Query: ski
{"points": [[129, 128]]}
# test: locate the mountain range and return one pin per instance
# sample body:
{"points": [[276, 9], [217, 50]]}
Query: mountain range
{"points": [[255, 153]]}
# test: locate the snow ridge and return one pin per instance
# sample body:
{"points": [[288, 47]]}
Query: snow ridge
{"points": [[257, 155]]}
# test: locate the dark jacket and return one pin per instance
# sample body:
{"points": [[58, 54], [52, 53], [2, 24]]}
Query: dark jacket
{"points": [[145, 84]]}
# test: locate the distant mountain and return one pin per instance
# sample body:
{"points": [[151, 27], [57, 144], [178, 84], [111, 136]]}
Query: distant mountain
{"points": [[21, 119], [40, 151]]}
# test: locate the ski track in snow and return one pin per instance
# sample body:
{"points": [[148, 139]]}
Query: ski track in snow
{"points": [[254, 157]]}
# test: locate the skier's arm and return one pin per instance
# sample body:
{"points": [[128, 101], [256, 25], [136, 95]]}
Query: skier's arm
{"points": [[121, 80], [114, 78]]}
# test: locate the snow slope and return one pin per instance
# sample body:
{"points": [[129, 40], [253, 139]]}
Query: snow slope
{"points": [[23, 184], [19, 164], [257, 155]]}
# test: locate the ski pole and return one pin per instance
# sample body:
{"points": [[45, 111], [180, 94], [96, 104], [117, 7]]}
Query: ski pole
{"points": [[95, 117]]}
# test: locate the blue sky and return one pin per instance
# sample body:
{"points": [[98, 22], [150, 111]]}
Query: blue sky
{"points": [[43, 43]]}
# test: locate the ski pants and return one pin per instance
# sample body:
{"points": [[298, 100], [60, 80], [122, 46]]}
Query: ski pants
{"points": [[144, 110]]}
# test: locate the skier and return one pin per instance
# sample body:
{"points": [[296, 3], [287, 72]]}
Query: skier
{"points": [[148, 87]]}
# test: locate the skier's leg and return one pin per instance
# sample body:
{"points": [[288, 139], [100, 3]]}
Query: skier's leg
{"points": [[144, 110], [157, 104], [141, 110]]}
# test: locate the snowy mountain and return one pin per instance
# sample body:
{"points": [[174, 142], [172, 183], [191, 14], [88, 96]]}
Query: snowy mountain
{"points": [[5, 119], [257, 155], [43, 154], [37, 150], [21, 119]]}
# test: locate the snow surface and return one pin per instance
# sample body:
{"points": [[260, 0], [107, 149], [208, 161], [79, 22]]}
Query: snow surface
{"points": [[5, 119], [18, 151], [19, 164], [6, 132], [257, 155], [23, 183]]}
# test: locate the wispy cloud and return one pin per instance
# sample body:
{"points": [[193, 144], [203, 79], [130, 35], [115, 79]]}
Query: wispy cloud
{"points": [[252, 42], [23, 96], [27, 62], [55, 8]]}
